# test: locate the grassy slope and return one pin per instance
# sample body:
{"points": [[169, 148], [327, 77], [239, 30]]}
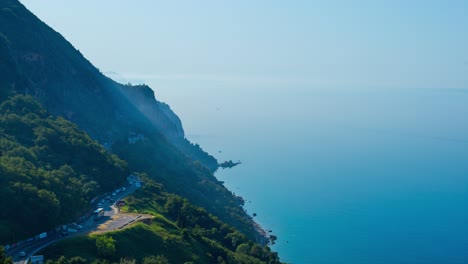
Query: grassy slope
{"points": [[148, 238], [201, 238]]}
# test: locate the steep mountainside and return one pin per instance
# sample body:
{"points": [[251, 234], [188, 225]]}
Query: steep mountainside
{"points": [[127, 120], [39, 61], [178, 233], [49, 170]]}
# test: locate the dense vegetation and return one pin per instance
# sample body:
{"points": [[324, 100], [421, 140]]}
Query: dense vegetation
{"points": [[49, 169], [188, 179], [36, 60], [3, 258], [179, 233]]}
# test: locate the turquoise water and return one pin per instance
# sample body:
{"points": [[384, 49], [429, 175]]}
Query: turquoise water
{"points": [[342, 176]]}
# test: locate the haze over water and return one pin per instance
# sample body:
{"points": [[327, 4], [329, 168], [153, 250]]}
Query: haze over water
{"points": [[342, 176]]}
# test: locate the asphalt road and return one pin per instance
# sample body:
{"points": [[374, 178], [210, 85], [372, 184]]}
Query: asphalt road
{"points": [[112, 220]]}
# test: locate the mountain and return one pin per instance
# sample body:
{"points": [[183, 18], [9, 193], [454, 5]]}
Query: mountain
{"points": [[37, 60], [127, 120], [177, 232], [49, 170]]}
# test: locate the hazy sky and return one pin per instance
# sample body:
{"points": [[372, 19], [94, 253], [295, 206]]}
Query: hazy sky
{"points": [[336, 44]]}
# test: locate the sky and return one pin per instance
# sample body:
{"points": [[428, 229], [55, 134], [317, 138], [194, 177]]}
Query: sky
{"points": [[319, 44]]}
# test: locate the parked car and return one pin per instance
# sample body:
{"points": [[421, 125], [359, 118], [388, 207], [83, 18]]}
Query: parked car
{"points": [[22, 254], [123, 189]]}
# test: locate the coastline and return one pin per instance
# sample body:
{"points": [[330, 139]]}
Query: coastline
{"points": [[264, 238]]}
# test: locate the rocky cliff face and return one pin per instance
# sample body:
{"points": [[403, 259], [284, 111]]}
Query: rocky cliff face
{"points": [[159, 114]]}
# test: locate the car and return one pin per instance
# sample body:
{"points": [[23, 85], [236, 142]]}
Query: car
{"points": [[79, 227], [22, 254], [64, 233], [114, 193], [123, 189], [99, 205]]}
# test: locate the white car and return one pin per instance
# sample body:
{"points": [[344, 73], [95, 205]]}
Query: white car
{"points": [[123, 189], [22, 254]]}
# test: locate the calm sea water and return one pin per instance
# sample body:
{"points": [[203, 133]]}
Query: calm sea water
{"points": [[341, 176]]}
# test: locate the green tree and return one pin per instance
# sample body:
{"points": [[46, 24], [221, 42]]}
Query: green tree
{"points": [[3, 258], [127, 261], [60, 260], [77, 260], [105, 246], [155, 260], [185, 234], [243, 248], [221, 260], [256, 251], [100, 261]]}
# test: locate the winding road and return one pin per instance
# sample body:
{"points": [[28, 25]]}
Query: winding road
{"points": [[112, 220]]}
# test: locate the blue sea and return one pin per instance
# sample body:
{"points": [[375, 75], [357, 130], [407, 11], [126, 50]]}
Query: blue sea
{"points": [[340, 175]]}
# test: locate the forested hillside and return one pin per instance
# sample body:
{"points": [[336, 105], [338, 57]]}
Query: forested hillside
{"points": [[125, 119], [179, 232], [49, 170]]}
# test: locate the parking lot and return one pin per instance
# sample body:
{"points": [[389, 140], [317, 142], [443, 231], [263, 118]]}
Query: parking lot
{"points": [[109, 220]]}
